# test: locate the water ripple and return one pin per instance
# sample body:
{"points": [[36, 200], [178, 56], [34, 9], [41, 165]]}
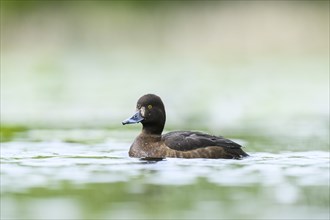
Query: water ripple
{"points": [[43, 163]]}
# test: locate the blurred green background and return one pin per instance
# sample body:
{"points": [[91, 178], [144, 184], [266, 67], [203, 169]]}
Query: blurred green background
{"points": [[216, 64], [254, 71]]}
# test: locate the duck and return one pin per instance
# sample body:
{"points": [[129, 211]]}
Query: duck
{"points": [[152, 144]]}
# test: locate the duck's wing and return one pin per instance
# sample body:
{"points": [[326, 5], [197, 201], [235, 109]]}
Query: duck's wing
{"points": [[187, 140]]}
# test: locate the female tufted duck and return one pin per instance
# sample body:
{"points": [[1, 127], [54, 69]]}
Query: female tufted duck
{"points": [[184, 144]]}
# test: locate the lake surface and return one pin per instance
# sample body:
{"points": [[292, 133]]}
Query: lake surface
{"points": [[80, 174]]}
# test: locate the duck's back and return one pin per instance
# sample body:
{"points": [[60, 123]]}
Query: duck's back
{"points": [[200, 144]]}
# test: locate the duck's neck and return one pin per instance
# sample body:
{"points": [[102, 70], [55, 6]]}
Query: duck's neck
{"points": [[156, 125], [152, 129]]}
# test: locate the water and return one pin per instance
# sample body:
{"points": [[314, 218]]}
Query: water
{"points": [[63, 178]]}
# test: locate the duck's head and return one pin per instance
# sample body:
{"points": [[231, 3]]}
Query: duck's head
{"points": [[150, 111]]}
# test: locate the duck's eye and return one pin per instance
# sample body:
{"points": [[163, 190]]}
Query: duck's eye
{"points": [[149, 107]]}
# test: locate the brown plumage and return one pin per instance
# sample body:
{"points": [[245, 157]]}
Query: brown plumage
{"points": [[183, 144]]}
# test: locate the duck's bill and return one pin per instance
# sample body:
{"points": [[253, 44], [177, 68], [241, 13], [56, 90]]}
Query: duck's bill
{"points": [[136, 118]]}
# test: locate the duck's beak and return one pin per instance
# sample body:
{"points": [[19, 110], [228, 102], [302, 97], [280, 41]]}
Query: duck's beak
{"points": [[136, 118]]}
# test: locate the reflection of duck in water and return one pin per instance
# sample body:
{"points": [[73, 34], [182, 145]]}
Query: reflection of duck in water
{"points": [[184, 144]]}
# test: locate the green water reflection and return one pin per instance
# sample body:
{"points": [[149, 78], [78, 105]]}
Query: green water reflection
{"points": [[138, 200]]}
